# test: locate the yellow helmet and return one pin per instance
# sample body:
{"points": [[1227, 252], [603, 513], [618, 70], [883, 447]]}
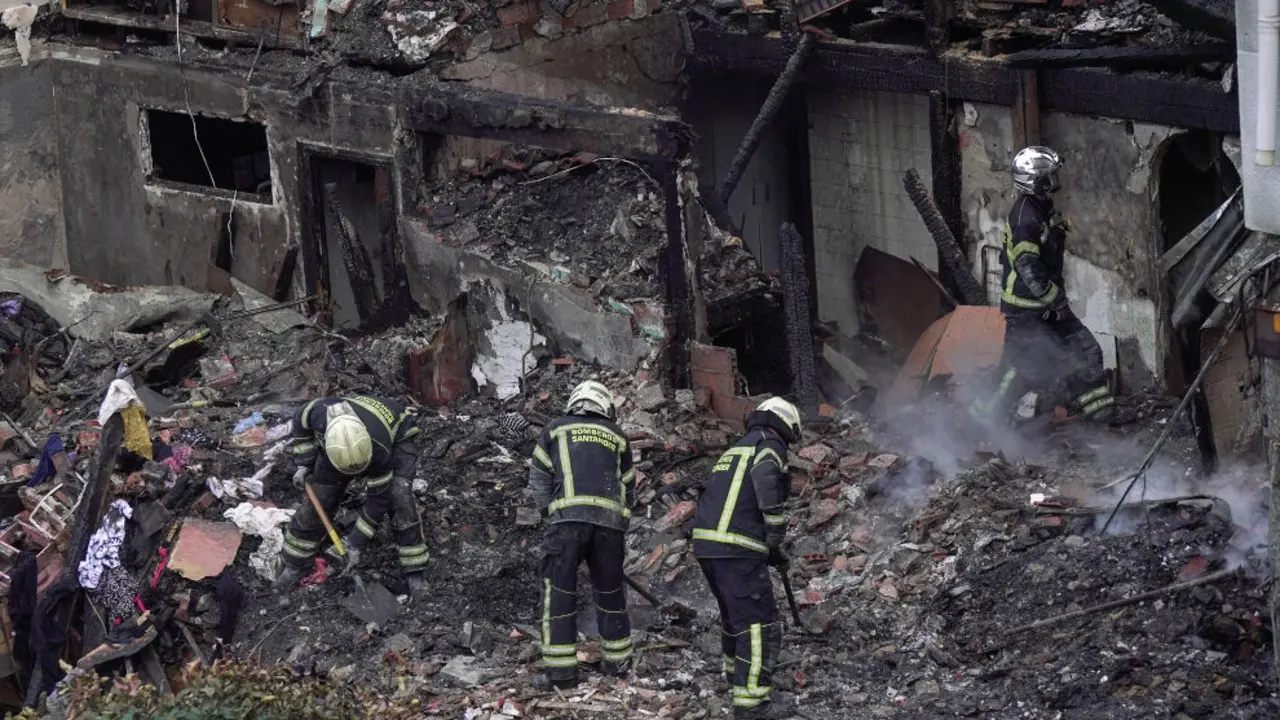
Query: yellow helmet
{"points": [[784, 411], [346, 440], [591, 396]]}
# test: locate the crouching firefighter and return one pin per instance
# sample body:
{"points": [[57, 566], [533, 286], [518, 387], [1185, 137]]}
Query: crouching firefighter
{"points": [[335, 441], [737, 534], [580, 477], [1045, 344]]}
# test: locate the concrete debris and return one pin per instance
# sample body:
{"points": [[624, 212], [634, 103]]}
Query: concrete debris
{"points": [[418, 33], [204, 548], [19, 19]]}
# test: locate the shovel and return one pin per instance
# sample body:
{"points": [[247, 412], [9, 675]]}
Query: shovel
{"points": [[361, 594], [791, 601]]}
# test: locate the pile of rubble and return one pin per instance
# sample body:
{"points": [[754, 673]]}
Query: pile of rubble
{"points": [[912, 569]]}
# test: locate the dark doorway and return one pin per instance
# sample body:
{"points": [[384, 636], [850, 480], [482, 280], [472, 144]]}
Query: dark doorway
{"points": [[235, 150], [354, 259], [1195, 178], [753, 325]]}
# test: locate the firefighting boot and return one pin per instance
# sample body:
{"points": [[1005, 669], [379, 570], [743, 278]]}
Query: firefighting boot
{"points": [[617, 669], [417, 584], [1114, 416], [557, 678], [287, 580], [779, 707]]}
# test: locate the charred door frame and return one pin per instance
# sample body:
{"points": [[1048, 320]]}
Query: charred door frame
{"points": [[315, 266]]}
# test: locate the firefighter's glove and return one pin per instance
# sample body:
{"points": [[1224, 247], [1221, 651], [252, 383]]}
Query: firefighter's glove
{"points": [[300, 477], [1059, 311], [777, 556]]}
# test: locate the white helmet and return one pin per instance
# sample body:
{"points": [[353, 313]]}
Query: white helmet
{"points": [[784, 411], [593, 397], [1035, 170], [346, 440]]}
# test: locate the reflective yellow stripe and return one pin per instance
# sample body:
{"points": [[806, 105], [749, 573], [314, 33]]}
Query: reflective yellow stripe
{"points": [[1043, 302], [380, 411], [561, 662], [1093, 394], [779, 519], [1097, 405], [757, 657], [1026, 246], [306, 414], [735, 487], [546, 615], [730, 538], [302, 448], [366, 528], [588, 500], [628, 476], [380, 480], [566, 467], [411, 432], [767, 454], [541, 456]]}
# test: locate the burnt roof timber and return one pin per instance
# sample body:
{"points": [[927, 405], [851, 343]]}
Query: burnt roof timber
{"points": [[449, 109], [1142, 97], [196, 28]]}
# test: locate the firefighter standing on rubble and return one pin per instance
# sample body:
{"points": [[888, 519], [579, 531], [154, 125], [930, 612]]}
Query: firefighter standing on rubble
{"points": [[581, 478], [738, 533], [335, 440], [1045, 344]]}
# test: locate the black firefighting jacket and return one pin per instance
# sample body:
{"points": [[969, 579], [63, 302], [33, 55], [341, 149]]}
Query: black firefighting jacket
{"points": [[742, 505], [582, 472], [1035, 241], [391, 427]]}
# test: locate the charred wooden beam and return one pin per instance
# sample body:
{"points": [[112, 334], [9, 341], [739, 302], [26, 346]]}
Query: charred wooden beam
{"points": [[470, 112], [950, 256], [1026, 110], [674, 276], [772, 105], [1144, 97], [119, 17], [355, 258], [944, 149], [938, 16], [799, 327], [1123, 58], [1216, 17]]}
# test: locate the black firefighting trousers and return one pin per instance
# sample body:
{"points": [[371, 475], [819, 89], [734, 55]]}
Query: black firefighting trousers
{"points": [[384, 496], [750, 634], [1049, 356], [565, 546]]}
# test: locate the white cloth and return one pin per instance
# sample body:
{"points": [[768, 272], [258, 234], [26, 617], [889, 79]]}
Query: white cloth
{"points": [[119, 396], [250, 487], [104, 546], [265, 523]]}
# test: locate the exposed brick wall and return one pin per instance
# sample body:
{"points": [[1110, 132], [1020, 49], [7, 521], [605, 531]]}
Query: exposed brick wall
{"points": [[715, 369], [860, 145]]}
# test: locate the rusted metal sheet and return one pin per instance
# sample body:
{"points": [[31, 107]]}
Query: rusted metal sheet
{"points": [[258, 15], [896, 298], [961, 344]]}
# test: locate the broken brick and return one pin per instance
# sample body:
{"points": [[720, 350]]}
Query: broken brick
{"points": [[828, 411], [504, 37], [679, 514], [87, 441], [565, 361], [1194, 568], [669, 478], [817, 453], [823, 512], [204, 502], [884, 461], [519, 12]]}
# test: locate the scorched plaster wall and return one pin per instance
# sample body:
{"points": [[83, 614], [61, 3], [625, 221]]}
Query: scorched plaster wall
{"points": [[31, 227]]}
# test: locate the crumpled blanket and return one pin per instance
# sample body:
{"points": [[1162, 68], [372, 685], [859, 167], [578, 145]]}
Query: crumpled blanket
{"points": [[265, 523], [104, 546], [45, 469]]}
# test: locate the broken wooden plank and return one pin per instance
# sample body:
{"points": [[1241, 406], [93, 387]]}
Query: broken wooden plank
{"points": [[806, 11], [1123, 58], [1216, 17]]}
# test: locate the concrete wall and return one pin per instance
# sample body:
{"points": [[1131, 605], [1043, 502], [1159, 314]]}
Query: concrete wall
{"points": [[722, 113], [860, 145], [1109, 194], [31, 227], [123, 229]]}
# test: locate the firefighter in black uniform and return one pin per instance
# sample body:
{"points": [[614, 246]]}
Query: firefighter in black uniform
{"points": [[1045, 346], [360, 436], [737, 533], [581, 479]]}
